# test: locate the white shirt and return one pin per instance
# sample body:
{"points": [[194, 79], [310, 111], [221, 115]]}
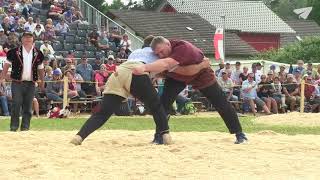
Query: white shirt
{"points": [[145, 55]]}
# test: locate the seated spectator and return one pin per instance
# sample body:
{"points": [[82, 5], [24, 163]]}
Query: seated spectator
{"points": [[227, 68], [277, 93], [77, 18], [54, 90], [24, 9], [72, 85], [38, 22], [101, 77], [12, 10], [93, 37], [86, 72], [300, 69], [291, 90], [54, 12], [181, 100], [244, 75], [47, 49], [309, 89], [103, 42], [62, 28], [13, 41], [4, 100], [49, 34], [310, 72], [270, 76], [297, 76], [15, 23], [48, 73], [249, 91], [122, 54], [265, 91], [126, 43], [38, 34], [20, 28], [111, 67], [79, 81], [115, 36], [67, 16], [29, 24], [71, 56], [49, 22], [227, 86], [6, 25], [55, 64], [97, 64], [282, 73], [67, 66], [3, 37]]}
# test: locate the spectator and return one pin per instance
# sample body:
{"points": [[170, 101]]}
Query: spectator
{"points": [[277, 93], [3, 99], [54, 90], [49, 22], [62, 28], [67, 66], [38, 34], [48, 73], [299, 69], [181, 100], [122, 54], [297, 76], [20, 28], [309, 89], [270, 76], [78, 17], [111, 67], [244, 75], [38, 22], [291, 90], [97, 64], [310, 72], [249, 91], [79, 81], [54, 12], [221, 66], [235, 77], [28, 26], [126, 43], [259, 67], [101, 77], [103, 42], [49, 34], [265, 91], [227, 68], [282, 73], [86, 72], [93, 37], [3, 37], [12, 42], [318, 72], [6, 25], [2, 52], [12, 10], [15, 23], [47, 50], [72, 85], [67, 16], [256, 72], [316, 100], [71, 56], [227, 86], [115, 36]]}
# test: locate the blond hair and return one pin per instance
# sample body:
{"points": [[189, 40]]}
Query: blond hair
{"points": [[158, 40]]}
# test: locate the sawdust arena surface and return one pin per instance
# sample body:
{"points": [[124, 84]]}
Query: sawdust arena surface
{"points": [[113, 154], [294, 119]]}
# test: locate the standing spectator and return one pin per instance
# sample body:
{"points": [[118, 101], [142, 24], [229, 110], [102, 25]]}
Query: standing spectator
{"points": [[23, 76], [62, 28], [111, 67], [97, 63], [86, 72], [256, 72], [54, 89], [310, 72], [249, 90], [291, 90], [265, 91], [273, 69], [235, 77], [126, 43], [221, 66], [3, 99]]}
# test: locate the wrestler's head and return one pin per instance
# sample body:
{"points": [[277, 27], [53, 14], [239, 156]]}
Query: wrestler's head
{"points": [[161, 46]]}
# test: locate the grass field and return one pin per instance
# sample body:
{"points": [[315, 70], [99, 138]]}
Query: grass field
{"points": [[177, 124]]}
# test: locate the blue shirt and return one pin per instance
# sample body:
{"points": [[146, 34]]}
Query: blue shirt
{"points": [[86, 71], [145, 55], [252, 94]]}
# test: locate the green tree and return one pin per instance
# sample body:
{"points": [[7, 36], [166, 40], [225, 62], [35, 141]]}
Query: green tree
{"points": [[315, 13]]}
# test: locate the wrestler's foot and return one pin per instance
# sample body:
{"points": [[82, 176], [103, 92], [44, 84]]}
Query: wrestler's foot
{"points": [[157, 139], [77, 140], [241, 138], [167, 140]]}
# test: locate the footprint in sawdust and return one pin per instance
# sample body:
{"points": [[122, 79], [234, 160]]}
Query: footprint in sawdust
{"points": [[174, 150]]}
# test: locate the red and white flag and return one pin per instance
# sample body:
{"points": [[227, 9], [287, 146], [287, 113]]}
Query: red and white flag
{"points": [[218, 44]]}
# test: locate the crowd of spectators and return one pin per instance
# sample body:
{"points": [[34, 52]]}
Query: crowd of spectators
{"points": [[273, 92], [86, 78]]}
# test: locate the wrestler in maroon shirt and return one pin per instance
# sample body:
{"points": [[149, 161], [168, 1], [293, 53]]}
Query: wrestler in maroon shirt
{"points": [[183, 53]]}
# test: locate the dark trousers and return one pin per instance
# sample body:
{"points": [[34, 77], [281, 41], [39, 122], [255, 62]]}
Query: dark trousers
{"points": [[141, 88], [22, 96], [213, 93]]}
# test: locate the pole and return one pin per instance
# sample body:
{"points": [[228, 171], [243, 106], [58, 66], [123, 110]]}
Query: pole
{"points": [[65, 92], [302, 96], [224, 38]]}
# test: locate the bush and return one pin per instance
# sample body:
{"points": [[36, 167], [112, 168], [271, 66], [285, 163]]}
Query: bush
{"points": [[308, 50]]}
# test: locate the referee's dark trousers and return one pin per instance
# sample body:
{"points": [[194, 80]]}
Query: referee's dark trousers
{"points": [[22, 96]]}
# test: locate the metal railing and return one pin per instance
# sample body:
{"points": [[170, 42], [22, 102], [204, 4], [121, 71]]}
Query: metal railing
{"points": [[96, 17]]}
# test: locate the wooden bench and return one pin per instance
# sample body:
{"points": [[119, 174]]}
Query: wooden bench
{"points": [[198, 105]]}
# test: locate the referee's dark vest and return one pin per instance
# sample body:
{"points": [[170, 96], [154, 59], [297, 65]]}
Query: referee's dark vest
{"points": [[16, 58]]}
